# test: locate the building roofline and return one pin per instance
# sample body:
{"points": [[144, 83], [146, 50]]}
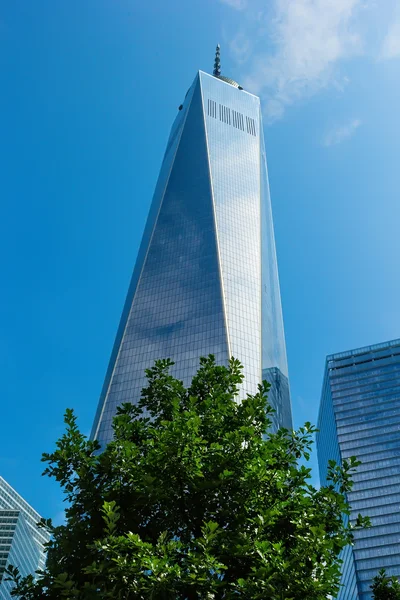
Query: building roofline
{"points": [[242, 91], [363, 350], [21, 498]]}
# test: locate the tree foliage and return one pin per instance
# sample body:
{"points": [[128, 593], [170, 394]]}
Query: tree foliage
{"points": [[385, 588], [193, 499]]}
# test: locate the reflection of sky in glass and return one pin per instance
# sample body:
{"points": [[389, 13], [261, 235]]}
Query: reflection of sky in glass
{"points": [[274, 347], [199, 288], [234, 163], [169, 156], [360, 414], [246, 242], [177, 310], [274, 361]]}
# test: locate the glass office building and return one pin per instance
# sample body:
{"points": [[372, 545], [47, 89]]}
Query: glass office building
{"points": [[360, 416], [21, 541], [206, 278]]}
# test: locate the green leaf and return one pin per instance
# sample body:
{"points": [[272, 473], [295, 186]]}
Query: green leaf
{"points": [[195, 497]]}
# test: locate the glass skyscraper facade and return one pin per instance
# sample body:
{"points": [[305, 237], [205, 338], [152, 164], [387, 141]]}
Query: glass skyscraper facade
{"points": [[360, 416], [21, 541], [206, 278]]}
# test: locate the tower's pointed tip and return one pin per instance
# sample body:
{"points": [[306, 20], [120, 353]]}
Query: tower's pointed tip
{"points": [[217, 62]]}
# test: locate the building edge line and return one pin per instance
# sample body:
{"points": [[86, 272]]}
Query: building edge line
{"points": [[141, 270], [224, 306]]}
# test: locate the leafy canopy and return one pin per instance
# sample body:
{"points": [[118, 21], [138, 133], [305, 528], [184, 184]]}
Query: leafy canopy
{"points": [[385, 588], [193, 499]]}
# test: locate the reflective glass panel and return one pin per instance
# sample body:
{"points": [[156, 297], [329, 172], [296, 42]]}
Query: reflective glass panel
{"points": [[361, 399]]}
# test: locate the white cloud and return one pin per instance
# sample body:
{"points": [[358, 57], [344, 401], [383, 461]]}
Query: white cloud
{"points": [[391, 43], [310, 37], [292, 49], [340, 133], [240, 47], [237, 4]]}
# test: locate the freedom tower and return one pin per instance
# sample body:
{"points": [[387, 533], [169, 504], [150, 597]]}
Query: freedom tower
{"points": [[206, 276]]}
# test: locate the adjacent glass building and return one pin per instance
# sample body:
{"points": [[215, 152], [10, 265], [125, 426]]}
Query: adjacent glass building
{"points": [[21, 541], [360, 416], [206, 278]]}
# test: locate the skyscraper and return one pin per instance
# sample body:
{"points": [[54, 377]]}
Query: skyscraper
{"points": [[206, 278], [21, 541], [360, 416]]}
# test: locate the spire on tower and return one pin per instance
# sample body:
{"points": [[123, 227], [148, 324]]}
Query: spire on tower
{"points": [[217, 62]]}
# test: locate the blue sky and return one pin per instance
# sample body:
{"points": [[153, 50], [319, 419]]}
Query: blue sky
{"points": [[89, 92]]}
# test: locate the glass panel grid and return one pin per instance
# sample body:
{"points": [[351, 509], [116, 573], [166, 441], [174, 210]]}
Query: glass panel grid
{"points": [[206, 277], [21, 541], [362, 395]]}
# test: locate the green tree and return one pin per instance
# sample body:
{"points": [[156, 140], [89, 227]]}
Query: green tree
{"points": [[193, 499], [385, 588]]}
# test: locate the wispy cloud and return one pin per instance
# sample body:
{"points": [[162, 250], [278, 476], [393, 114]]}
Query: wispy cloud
{"points": [[240, 46], [295, 48], [340, 133], [310, 38], [236, 4], [391, 43]]}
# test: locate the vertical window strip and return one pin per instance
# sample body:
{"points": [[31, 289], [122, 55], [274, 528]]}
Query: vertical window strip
{"points": [[212, 108]]}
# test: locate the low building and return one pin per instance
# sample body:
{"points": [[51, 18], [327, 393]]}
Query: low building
{"points": [[21, 541]]}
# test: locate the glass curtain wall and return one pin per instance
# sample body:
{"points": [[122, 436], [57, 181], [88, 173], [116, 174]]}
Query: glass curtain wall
{"points": [[361, 397]]}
